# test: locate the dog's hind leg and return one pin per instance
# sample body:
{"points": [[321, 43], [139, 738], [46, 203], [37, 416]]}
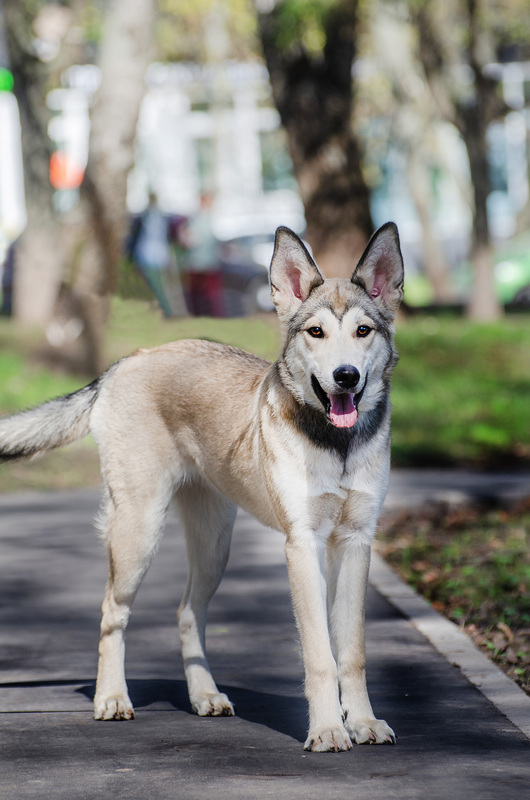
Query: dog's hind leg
{"points": [[208, 518], [133, 526]]}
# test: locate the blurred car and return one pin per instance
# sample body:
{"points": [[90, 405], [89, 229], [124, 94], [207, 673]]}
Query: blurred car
{"points": [[244, 267]]}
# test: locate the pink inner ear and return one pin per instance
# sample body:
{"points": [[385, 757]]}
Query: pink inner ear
{"points": [[294, 280], [379, 283]]}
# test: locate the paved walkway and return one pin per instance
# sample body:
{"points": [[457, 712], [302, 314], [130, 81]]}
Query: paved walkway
{"points": [[452, 741]]}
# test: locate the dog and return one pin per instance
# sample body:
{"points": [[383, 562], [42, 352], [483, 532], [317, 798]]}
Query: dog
{"points": [[302, 444]]}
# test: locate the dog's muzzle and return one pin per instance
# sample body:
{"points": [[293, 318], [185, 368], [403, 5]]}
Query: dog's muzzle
{"points": [[341, 407]]}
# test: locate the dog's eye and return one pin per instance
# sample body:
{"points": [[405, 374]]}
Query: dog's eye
{"points": [[363, 330], [316, 332]]}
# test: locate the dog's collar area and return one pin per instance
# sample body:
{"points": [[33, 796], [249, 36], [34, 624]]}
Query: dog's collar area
{"points": [[325, 399]]}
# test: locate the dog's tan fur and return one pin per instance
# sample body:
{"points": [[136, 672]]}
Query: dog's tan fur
{"points": [[215, 427]]}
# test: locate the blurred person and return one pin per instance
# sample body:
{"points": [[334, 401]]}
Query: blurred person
{"points": [[149, 247], [202, 261]]}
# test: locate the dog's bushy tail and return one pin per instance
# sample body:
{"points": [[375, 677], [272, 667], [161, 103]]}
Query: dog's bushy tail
{"points": [[53, 424]]}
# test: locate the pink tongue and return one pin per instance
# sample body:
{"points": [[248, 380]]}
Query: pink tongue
{"points": [[343, 413]]}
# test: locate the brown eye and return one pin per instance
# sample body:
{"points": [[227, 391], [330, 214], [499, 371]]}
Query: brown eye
{"points": [[316, 332], [363, 331]]}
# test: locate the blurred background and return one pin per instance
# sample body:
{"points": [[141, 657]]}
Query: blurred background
{"points": [[149, 150]]}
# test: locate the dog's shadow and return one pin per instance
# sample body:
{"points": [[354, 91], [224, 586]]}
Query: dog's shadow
{"points": [[284, 714]]}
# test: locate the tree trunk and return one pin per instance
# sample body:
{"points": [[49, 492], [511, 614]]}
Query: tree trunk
{"points": [[436, 267], [84, 253], [313, 94], [39, 258], [483, 305], [100, 222], [472, 117]]}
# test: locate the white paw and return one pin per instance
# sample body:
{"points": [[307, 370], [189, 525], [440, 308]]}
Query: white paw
{"points": [[370, 731], [213, 705], [332, 740], [117, 707]]}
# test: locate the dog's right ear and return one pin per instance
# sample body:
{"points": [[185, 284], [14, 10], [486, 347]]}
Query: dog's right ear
{"points": [[293, 273]]}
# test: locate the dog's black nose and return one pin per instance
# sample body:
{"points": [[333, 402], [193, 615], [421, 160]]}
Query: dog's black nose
{"points": [[347, 376]]}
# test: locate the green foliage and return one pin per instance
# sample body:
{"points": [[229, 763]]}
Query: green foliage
{"points": [[461, 392], [91, 21], [302, 22], [186, 29]]}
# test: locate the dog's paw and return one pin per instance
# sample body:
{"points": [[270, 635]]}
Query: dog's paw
{"points": [[118, 707], [370, 731], [213, 705], [333, 740]]}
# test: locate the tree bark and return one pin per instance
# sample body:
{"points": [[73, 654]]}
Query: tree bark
{"points": [[471, 116], [313, 94], [435, 262], [473, 121], [82, 253], [100, 222], [39, 257], [484, 305]]}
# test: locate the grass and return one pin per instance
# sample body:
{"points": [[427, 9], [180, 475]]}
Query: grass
{"points": [[473, 565], [461, 391], [136, 323]]}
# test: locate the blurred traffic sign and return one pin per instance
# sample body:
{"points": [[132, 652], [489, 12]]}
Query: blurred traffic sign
{"points": [[6, 80]]}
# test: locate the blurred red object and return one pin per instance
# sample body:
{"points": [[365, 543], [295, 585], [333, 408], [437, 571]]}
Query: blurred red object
{"points": [[65, 173]]}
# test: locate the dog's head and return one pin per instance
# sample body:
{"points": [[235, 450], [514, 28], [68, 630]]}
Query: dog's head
{"points": [[337, 333]]}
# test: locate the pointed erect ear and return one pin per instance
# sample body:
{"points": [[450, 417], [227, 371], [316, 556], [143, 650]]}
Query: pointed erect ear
{"points": [[293, 272], [380, 270]]}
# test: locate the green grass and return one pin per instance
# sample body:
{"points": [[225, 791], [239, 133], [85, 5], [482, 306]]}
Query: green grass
{"points": [[136, 323], [474, 566], [461, 392]]}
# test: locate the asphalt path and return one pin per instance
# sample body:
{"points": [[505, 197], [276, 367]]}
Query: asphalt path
{"points": [[452, 741]]}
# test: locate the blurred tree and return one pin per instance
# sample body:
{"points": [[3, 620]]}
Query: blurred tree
{"points": [[390, 89], [309, 47], [73, 276], [39, 255], [125, 52], [194, 30], [456, 41]]}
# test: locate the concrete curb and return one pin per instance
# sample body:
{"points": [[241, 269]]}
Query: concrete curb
{"points": [[454, 645]]}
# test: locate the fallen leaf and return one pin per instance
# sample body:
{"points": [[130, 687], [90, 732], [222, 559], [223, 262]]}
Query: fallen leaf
{"points": [[502, 626]]}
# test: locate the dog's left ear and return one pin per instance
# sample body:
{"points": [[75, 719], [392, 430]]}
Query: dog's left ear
{"points": [[293, 272], [380, 270]]}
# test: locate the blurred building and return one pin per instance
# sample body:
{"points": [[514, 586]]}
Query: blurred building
{"points": [[213, 129]]}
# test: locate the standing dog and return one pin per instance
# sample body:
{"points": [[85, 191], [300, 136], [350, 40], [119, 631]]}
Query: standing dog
{"points": [[302, 444]]}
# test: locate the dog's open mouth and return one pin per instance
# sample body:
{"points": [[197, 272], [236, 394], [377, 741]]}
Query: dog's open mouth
{"points": [[341, 409]]}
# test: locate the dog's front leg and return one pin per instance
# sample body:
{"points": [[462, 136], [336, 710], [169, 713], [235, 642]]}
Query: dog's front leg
{"points": [[349, 563], [306, 567]]}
